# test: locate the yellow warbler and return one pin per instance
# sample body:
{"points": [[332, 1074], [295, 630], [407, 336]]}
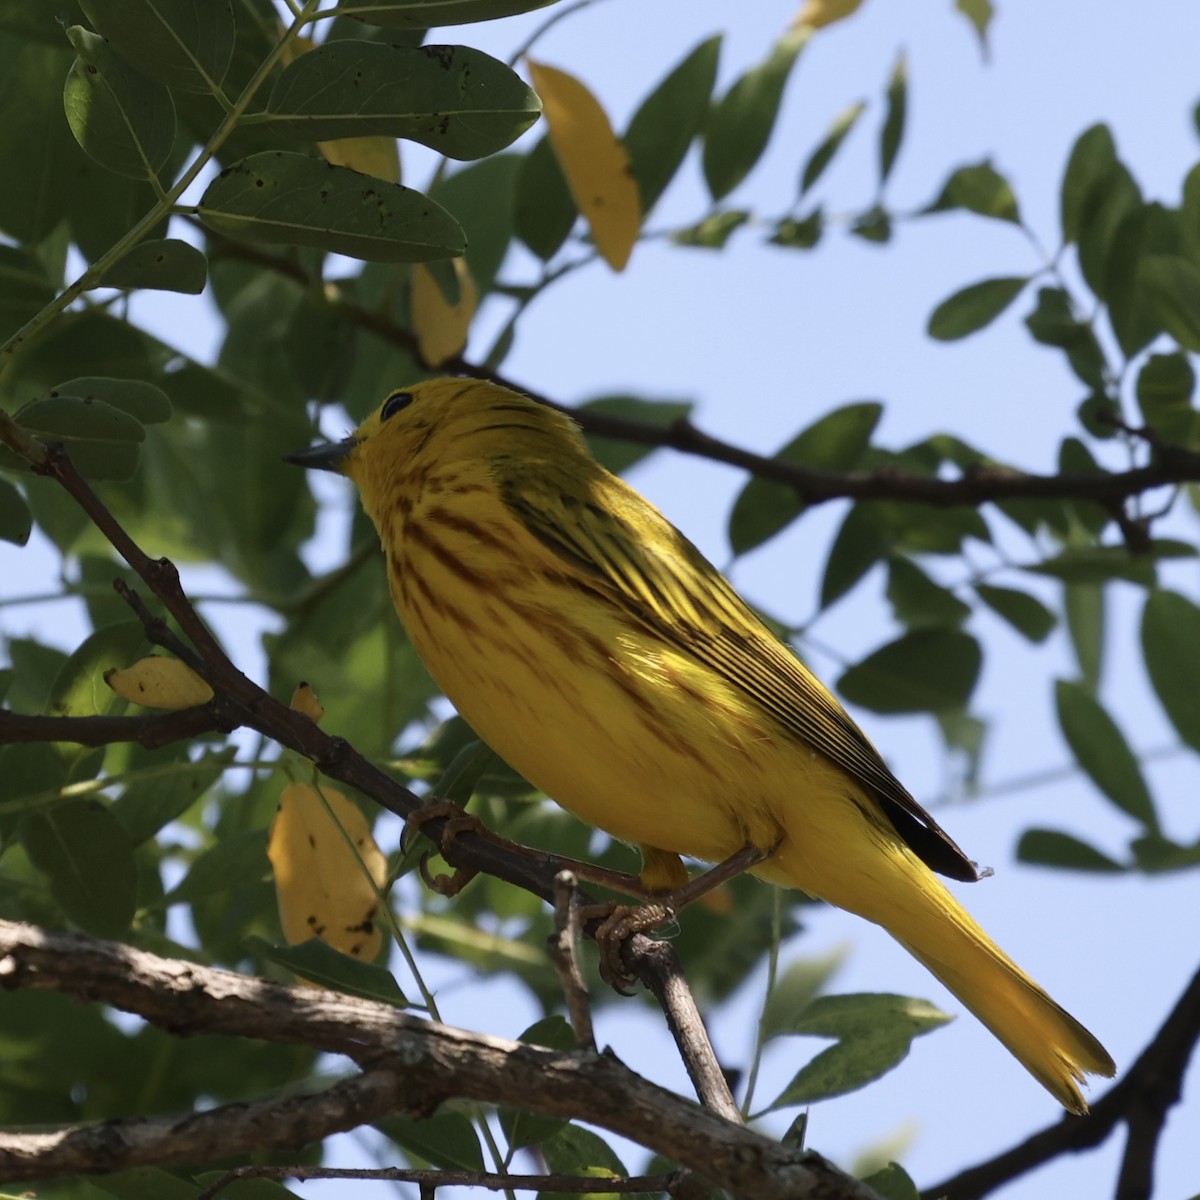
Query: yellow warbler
{"points": [[592, 646]]}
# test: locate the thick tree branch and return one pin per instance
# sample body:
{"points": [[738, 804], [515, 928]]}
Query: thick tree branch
{"points": [[1141, 1101], [415, 1065]]}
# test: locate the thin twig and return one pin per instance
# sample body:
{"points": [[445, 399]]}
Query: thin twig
{"points": [[563, 945]]}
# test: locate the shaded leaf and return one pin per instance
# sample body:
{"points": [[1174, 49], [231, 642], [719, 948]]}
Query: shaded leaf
{"points": [[163, 264], [979, 189], [121, 119], [317, 963], [835, 442], [920, 603], [1053, 848], [669, 119], [1165, 387], [446, 1139], [180, 43], [1101, 750], [456, 100], [923, 671], [1025, 613], [740, 124], [1171, 646], [86, 855], [420, 14], [892, 133], [16, 521], [544, 207], [874, 1034], [276, 197], [974, 307], [823, 155]]}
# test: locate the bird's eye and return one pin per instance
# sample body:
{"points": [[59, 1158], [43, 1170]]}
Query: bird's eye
{"points": [[394, 403]]}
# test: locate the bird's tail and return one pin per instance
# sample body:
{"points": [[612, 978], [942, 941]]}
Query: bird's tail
{"points": [[900, 893]]}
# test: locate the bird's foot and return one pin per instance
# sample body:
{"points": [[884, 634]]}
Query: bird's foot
{"points": [[457, 821]]}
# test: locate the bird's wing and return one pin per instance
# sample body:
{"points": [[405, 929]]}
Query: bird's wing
{"points": [[623, 547]]}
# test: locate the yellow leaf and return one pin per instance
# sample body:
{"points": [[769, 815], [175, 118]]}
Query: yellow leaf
{"points": [[594, 161], [378, 156], [306, 701], [320, 886], [818, 13], [159, 682], [441, 327]]}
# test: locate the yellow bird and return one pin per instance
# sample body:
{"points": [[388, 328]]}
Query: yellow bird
{"points": [[594, 648]]}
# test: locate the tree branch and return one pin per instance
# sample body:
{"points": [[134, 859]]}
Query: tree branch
{"points": [[410, 1063], [1172, 465], [152, 731]]}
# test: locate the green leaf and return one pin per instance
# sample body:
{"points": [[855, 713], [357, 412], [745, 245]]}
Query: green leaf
{"points": [[618, 454], [545, 210], [292, 199], [1084, 608], [920, 603], [420, 14], [799, 233], [979, 13], [1053, 848], [577, 1151], [320, 343], [161, 264], [874, 1034], [79, 689], [25, 288], [1097, 564], [860, 542], [1173, 285], [1155, 854], [231, 863], [1101, 750], [138, 399], [669, 119], [740, 124], [923, 671], [713, 232], [823, 155], [974, 307], [979, 189], [121, 119], [318, 963], [101, 439], [183, 44], [796, 989], [892, 133], [148, 804], [457, 101], [836, 442], [481, 197], [1171, 646], [875, 225], [16, 521], [447, 1140], [1092, 161], [1165, 386], [85, 853], [1025, 613]]}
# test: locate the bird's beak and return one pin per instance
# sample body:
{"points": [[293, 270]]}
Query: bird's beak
{"points": [[328, 457]]}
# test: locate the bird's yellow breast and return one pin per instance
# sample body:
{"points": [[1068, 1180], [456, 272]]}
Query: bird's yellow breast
{"points": [[590, 707]]}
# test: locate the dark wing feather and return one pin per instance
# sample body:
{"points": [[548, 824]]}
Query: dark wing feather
{"points": [[622, 546]]}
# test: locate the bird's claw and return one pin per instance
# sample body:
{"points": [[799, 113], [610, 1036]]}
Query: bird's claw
{"points": [[457, 820], [618, 923]]}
